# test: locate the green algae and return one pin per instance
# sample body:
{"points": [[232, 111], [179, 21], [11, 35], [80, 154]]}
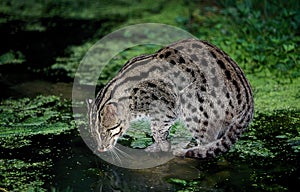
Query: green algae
{"points": [[69, 9], [18, 175], [271, 137], [28, 117], [270, 95]]}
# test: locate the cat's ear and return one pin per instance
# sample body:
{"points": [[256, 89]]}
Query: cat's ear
{"points": [[89, 103]]}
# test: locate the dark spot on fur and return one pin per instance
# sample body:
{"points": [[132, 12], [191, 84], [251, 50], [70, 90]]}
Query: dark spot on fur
{"points": [[168, 53], [213, 54], [188, 70], [181, 60], [244, 106], [193, 73], [221, 64], [135, 90], [230, 104], [151, 84], [202, 88], [228, 75], [227, 95], [173, 62], [236, 85], [205, 115], [154, 96], [200, 99], [201, 108]]}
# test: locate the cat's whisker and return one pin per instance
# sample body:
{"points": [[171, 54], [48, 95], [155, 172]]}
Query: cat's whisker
{"points": [[122, 153], [115, 155], [112, 155]]}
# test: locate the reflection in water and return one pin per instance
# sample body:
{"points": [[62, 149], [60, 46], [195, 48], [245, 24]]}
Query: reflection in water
{"points": [[152, 179], [83, 171]]}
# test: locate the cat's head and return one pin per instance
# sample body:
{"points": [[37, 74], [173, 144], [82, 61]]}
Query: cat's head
{"points": [[105, 125]]}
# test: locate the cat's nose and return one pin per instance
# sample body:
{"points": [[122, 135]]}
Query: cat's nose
{"points": [[101, 149]]}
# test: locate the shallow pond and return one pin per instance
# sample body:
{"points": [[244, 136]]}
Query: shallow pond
{"points": [[264, 159], [80, 170]]}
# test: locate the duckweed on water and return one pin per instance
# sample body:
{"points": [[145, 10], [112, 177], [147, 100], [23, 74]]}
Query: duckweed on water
{"points": [[28, 117], [25, 159], [270, 138], [18, 175]]}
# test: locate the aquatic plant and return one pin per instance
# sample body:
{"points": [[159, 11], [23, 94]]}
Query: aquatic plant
{"points": [[33, 116]]}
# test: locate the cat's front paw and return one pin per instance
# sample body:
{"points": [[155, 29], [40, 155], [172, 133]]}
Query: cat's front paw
{"points": [[157, 147], [165, 146], [153, 148], [179, 152]]}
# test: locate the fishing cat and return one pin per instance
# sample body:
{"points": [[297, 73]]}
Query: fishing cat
{"points": [[190, 80]]}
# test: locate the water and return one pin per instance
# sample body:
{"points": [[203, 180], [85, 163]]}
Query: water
{"points": [[80, 170]]}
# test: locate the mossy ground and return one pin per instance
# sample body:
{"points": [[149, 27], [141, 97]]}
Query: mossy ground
{"points": [[47, 40]]}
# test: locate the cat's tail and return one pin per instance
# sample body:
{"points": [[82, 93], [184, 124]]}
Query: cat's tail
{"points": [[224, 141]]}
